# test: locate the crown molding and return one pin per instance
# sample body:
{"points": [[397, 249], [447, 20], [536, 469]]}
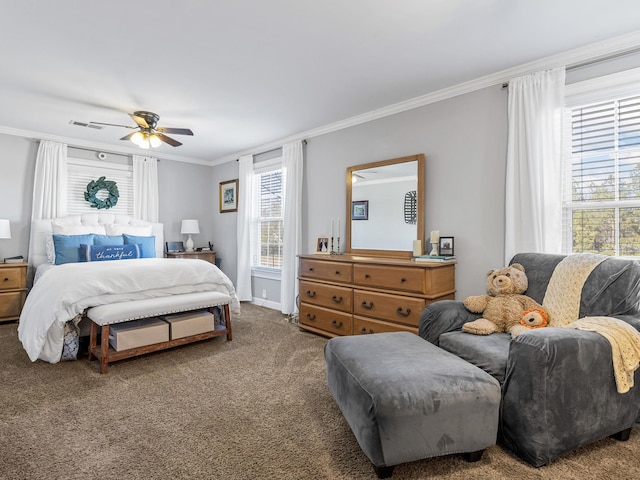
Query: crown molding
{"points": [[589, 53], [97, 146]]}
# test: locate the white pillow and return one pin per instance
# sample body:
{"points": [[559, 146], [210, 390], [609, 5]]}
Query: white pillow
{"points": [[77, 229], [143, 231], [51, 251]]}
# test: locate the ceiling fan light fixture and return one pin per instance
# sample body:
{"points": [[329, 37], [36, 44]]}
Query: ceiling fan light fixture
{"points": [[154, 140], [137, 138]]}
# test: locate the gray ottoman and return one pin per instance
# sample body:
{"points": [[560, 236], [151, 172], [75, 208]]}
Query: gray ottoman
{"points": [[406, 399]]}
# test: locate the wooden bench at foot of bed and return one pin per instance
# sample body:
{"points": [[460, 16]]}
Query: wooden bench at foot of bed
{"points": [[105, 315]]}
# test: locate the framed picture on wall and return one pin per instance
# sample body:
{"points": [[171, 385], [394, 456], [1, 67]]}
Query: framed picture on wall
{"points": [[446, 246], [360, 210], [229, 196], [322, 245]]}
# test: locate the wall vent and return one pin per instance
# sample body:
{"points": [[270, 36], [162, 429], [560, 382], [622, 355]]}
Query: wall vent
{"points": [[84, 124]]}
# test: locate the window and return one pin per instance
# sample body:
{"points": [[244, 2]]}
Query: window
{"points": [[80, 172], [268, 215], [602, 194]]}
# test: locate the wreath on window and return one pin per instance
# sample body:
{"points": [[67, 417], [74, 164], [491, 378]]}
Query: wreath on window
{"points": [[95, 186]]}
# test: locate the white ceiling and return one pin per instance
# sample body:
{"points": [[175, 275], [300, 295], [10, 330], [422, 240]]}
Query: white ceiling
{"points": [[243, 74]]}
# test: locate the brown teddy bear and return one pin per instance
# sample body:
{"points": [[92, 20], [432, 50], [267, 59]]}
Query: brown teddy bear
{"points": [[503, 308]]}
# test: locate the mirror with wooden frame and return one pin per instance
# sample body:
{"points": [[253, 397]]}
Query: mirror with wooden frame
{"points": [[385, 207]]}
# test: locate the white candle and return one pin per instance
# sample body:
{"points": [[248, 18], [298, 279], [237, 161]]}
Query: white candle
{"points": [[435, 236], [338, 227], [332, 228]]}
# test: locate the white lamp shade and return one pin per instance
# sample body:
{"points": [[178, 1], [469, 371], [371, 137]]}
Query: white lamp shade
{"points": [[190, 227], [5, 228]]}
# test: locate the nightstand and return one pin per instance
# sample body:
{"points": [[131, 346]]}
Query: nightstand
{"points": [[209, 255], [13, 290]]}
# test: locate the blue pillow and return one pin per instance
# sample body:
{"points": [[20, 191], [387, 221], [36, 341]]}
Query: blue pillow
{"points": [[102, 253], [67, 247], [147, 244], [108, 240]]}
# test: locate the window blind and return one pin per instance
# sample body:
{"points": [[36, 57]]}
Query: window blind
{"points": [[269, 225], [80, 172]]}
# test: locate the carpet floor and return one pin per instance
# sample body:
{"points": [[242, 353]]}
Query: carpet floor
{"points": [[254, 408]]}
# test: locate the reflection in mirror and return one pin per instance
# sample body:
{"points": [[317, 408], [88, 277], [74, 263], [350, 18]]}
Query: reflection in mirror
{"points": [[385, 206]]}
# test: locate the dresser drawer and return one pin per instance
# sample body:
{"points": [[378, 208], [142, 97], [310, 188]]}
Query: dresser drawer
{"points": [[365, 326], [338, 298], [326, 270], [11, 278], [392, 278], [11, 304], [337, 323], [394, 308]]}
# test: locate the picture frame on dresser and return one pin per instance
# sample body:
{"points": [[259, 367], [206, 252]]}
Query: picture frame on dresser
{"points": [[322, 245], [445, 247]]}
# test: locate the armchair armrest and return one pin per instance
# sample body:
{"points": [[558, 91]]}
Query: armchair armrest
{"points": [[559, 393], [441, 317]]}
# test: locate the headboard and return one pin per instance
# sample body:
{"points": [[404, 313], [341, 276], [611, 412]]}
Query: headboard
{"points": [[98, 223]]}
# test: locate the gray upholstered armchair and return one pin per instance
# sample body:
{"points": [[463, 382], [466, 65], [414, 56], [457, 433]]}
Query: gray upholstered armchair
{"points": [[558, 387]]}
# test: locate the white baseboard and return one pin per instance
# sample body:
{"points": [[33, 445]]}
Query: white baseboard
{"points": [[266, 303]]}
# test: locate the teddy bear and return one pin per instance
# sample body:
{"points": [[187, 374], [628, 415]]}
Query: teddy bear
{"points": [[503, 306]]}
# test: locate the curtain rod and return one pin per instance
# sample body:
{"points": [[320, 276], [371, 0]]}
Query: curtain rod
{"points": [[103, 151], [594, 61]]}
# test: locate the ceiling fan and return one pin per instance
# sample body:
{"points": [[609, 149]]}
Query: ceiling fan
{"points": [[147, 133]]}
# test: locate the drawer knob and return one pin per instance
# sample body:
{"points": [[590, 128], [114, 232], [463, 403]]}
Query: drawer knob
{"points": [[336, 323], [311, 317], [311, 269], [336, 299], [406, 313], [402, 280], [337, 272], [364, 331], [6, 279], [311, 294], [366, 275], [366, 305]]}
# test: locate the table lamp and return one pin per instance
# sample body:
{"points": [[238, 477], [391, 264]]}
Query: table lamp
{"points": [[189, 227]]}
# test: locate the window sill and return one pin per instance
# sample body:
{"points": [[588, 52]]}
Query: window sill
{"points": [[269, 273]]}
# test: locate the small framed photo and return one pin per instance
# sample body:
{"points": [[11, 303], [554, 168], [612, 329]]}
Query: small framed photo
{"points": [[446, 246], [322, 245], [360, 210], [229, 196]]}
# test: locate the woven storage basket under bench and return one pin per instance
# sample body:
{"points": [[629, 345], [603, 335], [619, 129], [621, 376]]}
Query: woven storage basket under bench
{"points": [[104, 316]]}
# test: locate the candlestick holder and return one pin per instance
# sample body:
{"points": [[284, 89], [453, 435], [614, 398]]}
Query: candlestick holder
{"points": [[337, 249], [434, 248]]}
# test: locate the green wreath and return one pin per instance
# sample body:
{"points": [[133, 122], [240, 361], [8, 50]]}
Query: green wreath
{"points": [[94, 186]]}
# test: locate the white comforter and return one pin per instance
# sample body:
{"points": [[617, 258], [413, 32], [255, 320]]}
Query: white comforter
{"points": [[64, 291]]}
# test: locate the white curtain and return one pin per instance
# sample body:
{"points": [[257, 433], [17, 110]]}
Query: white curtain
{"points": [[145, 188], [533, 195], [292, 166], [245, 189], [50, 181]]}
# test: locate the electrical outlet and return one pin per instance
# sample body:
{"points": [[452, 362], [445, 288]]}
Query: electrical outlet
{"points": [[264, 293]]}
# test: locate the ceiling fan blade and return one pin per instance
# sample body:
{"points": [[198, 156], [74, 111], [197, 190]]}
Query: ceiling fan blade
{"points": [[176, 131], [112, 124], [169, 140], [139, 120], [128, 137]]}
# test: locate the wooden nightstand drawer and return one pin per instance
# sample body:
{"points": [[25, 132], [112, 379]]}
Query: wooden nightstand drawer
{"points": [[11, 278], [11, 304], [326, 270], [392, 278], [365, 326], [336, 323], [393, 308], [329, 296]]}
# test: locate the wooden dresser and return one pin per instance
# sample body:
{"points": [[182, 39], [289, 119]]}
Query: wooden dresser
{"points": [[13, 290], [353, 295]]}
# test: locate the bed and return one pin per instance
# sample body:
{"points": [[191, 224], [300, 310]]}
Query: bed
{"points": [[81, 262]]}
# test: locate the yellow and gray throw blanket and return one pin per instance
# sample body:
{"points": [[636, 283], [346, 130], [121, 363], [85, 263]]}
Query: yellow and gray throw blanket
{"points": [[562, 301]]}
